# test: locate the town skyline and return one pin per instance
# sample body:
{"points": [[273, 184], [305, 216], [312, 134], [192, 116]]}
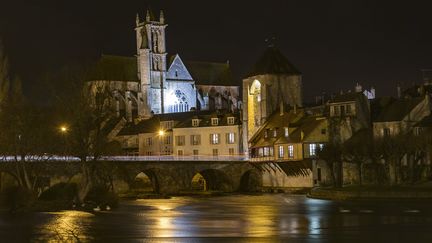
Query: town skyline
{"points": [[333, 55]]}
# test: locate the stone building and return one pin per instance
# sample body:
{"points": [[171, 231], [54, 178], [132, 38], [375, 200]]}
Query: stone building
{"points": [[215, 135], [153, 83], [272, 81]]}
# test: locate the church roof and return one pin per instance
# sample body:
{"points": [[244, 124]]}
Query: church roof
{"points": [[114, 68], [273, 62], [211, 73]]}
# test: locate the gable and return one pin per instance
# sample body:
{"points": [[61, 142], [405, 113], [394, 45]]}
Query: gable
{"points": [[178, 71]]}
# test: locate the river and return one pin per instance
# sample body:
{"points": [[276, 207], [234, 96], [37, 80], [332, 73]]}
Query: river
{"points": [[234, 218]]}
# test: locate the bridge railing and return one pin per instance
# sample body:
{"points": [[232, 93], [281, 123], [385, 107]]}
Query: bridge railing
{"points": [[128, 158]]}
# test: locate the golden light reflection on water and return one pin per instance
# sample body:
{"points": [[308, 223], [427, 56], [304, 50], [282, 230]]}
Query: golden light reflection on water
{"points": [[261, 221], [66, 226]]}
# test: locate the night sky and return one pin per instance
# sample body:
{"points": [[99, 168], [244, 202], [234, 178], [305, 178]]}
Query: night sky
{"points": [[334, 43]]}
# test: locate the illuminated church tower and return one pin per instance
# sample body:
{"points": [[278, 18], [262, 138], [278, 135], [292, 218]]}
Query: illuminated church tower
{"points": [[152, 63]]}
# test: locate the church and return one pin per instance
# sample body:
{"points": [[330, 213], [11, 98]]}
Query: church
{"points": [[154, 83]]}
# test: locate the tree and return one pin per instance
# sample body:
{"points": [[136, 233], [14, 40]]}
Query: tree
{"points": [[86, 108]]}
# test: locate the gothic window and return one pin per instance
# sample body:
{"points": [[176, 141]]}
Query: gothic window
{"points": [[178, 102]]}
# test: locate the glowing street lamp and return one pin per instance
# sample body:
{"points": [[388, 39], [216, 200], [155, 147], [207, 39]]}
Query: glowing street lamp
{"points": [[63, 129], [161, 132]]}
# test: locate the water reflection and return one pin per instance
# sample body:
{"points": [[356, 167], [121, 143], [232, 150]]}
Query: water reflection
{"points": [[67, 226], [261, 217]]}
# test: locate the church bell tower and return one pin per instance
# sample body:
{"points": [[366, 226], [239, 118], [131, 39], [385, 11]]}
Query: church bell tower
{"points": [[152, 63]]}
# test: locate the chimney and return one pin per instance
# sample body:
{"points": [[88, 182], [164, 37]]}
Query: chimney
{"points": [[399, 93], [281, 108]]}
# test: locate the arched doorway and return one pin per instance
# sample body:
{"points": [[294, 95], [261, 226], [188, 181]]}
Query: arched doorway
{"points": [[251, 181], [199, 183]]}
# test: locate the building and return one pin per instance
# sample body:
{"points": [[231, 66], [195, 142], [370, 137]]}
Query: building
{"points": [[216, 135], [272, 81], [154, 83], [401, 115]]}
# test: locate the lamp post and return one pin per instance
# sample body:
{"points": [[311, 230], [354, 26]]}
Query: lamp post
{"points": [[161, 133], [64, 130]]}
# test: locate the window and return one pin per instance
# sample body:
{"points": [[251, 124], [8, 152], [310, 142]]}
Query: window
{"points": [[418, 131], [214, 138], [195, 152], [195, 139], [149, 153], [275, 132], [321, 146], [167, 125], [286, 132], [336, 110], [291, 151], [180, 140], [230, 138], [312, 149], [342, 110], [348, 110], [195, 122], [386, 131], [214, 121], [260, 152], [149, 141], [167, 140], [231, 120], [266, 151], [231, 151], [281, 151], [180, 152], [215, 152], [266, 132]]}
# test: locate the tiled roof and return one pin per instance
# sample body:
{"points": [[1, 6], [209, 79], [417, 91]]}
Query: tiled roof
{"points": [[273, 62], [114, 68], [211, 73], [398, 109]]}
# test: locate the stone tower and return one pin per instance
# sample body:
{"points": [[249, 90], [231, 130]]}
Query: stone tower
{"points": [[152, 63], [272, 82]]}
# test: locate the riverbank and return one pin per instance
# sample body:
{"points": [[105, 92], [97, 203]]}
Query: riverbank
{"points": [[372, 193]]}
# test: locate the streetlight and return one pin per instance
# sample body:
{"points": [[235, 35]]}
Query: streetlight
{"points": [[161, 133], [63, 130]]}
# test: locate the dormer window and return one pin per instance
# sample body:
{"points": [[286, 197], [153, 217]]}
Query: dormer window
{"points": [[286, 132], [266, 133], [195, 122], [231, 120], [275, 132], [214, 121]]}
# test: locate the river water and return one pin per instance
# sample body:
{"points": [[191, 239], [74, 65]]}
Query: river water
{"points": [[234, 218]]}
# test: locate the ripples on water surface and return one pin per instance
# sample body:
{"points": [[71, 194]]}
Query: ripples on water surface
{"points": [[237, 218]]}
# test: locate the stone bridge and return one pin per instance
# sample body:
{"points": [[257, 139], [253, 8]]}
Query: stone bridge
{"points": [[166, 177]]}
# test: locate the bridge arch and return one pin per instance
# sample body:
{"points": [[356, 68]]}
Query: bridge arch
{"points": [[212, 180], [250, 181]]}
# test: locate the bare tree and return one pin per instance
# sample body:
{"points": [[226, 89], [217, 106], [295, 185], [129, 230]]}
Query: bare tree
{"points": [[86, 108], [331, 153]]}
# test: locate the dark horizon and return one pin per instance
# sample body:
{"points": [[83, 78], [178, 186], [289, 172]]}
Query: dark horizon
{"points": [[334, 44]]}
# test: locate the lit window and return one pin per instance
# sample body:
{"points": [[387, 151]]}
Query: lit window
{"points": [[275, 132], [266, 151], [195, 139], [230, 138], [214, 138], [291, 151], [180, 140], [260, 152], [286, 132], [321, 146], [266, 133], [231, 151], [167, 139], [281, 151], [312, 149], [231, 120], [214, 121], [195, 122], [149, 141], [417, 131], [215, 152]]}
